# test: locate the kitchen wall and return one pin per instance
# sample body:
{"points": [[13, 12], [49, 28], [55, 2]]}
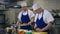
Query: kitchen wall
{"points": [[11, 15], [48, 4]]}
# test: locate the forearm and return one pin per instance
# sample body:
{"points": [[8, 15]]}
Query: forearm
{"points": [[31, 21], [18, 22], [35, 26], [47, 27]]}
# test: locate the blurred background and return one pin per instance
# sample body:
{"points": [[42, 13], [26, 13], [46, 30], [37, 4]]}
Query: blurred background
{"points": [[9, 10]]}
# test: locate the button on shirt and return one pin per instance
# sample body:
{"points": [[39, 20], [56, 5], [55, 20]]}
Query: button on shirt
{"points": [[47, 17], [29, 12]]}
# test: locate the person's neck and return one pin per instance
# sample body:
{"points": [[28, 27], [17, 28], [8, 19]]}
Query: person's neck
{"points": [[40, 11], [25, 10]]}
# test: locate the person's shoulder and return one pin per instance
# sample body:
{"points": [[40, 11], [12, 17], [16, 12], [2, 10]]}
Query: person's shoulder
{"points": [[46, 11], [20, 12], [30, 10]]}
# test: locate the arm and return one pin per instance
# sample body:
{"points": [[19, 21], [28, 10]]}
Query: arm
{"points": [[35, 26], [49, 25], [31, 21], [18, 22], [49, 20], [32, 16], [25, 24]]}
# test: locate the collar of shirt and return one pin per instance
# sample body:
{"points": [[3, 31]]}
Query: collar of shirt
{"points": [[25, 13], [39, 15]]}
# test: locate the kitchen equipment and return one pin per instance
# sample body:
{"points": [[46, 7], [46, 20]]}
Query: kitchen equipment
{"points": [[29, 32], [21, 32], [58, 14], [9, 30], [40, 33]]}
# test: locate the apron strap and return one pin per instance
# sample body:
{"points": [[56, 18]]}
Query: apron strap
{"points": [[42, 13], [27, 12]]}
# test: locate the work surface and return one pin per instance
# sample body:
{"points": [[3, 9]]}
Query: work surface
{"points": [[30, 32]]}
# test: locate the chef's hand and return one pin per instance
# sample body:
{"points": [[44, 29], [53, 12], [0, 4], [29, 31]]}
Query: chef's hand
{"points": [[39, 30], [25, 24], [35, 26]]}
